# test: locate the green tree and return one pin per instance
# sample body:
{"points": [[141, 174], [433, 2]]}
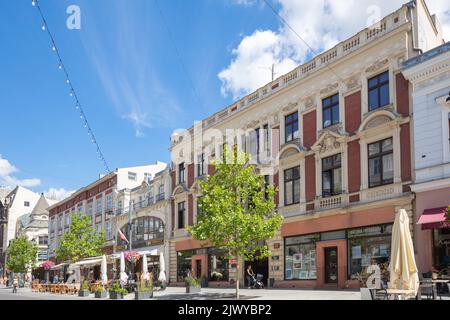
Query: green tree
{"points": [[82, 241], [21, 254], [237, 210]]}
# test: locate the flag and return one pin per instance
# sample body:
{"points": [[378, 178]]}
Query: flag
{"points": [[122, 236]]}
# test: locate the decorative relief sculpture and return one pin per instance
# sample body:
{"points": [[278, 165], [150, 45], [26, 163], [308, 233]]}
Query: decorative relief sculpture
{"points": [[377, 65], [329, 88], [309, 102], [290, 106], [378, 121], [352, 83], [329, 143]]}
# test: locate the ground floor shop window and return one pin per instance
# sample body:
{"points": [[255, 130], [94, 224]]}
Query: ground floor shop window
{"points": [[367, 246], [441, 248], [184, 264], [217, 265], [300, 257]]}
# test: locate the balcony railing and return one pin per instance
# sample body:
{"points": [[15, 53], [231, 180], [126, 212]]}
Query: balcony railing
{"points": [[331, 202], [160, 197]]}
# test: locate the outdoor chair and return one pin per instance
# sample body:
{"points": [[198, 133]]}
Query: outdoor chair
{"points": [[64, 289], [378, 294], [428, 289]]}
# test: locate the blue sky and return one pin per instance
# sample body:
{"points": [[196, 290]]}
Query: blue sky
{"points": [[134, 89]]}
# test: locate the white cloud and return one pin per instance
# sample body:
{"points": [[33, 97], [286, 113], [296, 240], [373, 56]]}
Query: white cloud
{"points": [[58, 194], [321, 23], [7, 179]]}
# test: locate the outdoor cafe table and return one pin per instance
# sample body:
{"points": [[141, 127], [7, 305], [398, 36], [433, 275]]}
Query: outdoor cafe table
{"points": [[399, 293]]}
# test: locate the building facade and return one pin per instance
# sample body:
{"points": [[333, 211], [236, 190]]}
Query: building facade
{"points": [[35, 226], [334, 136], [100, 201], [149, 218], [17, 203], [429, 75]]}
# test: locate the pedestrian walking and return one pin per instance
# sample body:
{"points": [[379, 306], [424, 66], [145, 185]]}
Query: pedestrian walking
{"points": [[15, 285]]}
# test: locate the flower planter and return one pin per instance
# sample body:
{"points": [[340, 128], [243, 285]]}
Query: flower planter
{"points": [[115, 295], [101, 295], [83, 293], [190, 289], [143, 295]]}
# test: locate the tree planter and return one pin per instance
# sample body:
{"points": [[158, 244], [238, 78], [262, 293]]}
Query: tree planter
{"points": [[115, 295], [190, 289], [143, 295], [365, 294], [83, 293], [101, 295]]}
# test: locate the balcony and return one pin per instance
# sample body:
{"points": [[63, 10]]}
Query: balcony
{"points": [[326, 203]]}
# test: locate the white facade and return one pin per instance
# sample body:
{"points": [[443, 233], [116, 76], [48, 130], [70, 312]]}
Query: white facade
{"points": [[430, 77], [20, 201]]}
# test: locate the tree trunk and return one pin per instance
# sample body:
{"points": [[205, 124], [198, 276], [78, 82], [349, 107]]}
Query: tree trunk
{"points": [[237, 278]]}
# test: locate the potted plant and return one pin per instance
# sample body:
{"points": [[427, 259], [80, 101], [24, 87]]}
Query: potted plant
{"points": [[100, 292], [192, 284], [84, 289], [144, 290], [117, 292]]}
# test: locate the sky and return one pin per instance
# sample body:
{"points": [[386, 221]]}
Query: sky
{"points": [[142, 69]]}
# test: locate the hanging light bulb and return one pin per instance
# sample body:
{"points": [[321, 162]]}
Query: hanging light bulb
{"points": [[60, 66], [33, 3], [71, 94], [67, 81], [76, 106], [81, 116], [54, 48], [43, 27]]}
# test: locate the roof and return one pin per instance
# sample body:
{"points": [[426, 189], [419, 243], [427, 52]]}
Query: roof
{"points": [[426, 56]]}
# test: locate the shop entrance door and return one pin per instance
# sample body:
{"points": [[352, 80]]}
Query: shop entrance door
{"points": [[331, 265], [198, 268]]}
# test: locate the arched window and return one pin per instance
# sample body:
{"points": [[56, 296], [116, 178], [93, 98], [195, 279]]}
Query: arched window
{"points": [[146, 231]]}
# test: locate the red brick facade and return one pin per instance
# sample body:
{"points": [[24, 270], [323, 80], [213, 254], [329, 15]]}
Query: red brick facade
{"points": [[310, 177], [190, 175], [405, 152], [309, 129], [402, 90], [354, 166], [190, 210], [352, 112]]}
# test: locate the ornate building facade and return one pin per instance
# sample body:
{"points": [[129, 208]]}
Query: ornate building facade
{"points": [[334, 136]]}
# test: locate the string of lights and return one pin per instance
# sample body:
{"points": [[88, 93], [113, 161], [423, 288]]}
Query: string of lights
{"points": [[72, 91]]}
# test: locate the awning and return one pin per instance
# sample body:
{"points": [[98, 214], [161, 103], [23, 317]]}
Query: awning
{"points": [[59, 266], [89, 262], [433, 219], [151, 251]]}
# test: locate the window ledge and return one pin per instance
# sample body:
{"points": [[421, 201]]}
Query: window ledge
{"points": [[390, 107]]}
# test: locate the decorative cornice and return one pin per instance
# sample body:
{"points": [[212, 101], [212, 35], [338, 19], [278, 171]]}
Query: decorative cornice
{"points": [[426, 56]]}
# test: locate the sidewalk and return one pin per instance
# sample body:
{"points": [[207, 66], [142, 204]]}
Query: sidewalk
{"points": [[179, 293]]}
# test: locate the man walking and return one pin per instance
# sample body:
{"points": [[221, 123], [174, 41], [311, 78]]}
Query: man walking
{"points": [[15, 285]]}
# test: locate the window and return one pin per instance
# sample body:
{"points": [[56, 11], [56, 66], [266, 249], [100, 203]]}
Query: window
{"points": [[109, 202], [266, 185], [109, 230], [258, 143], [300, 257], [161, 193], [381, 163], [43, 240], [201, 165], [291, 127], [292, 186], [181, 170], [67, 219], [184, 264], [367, 246], [119, 207], [331, 176], [26, 203], [99, 206], [330, 111], [181, 212], [90, 207], [132, 176], [266, 139], [217, 265], [379, 91], [144, 229]]}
